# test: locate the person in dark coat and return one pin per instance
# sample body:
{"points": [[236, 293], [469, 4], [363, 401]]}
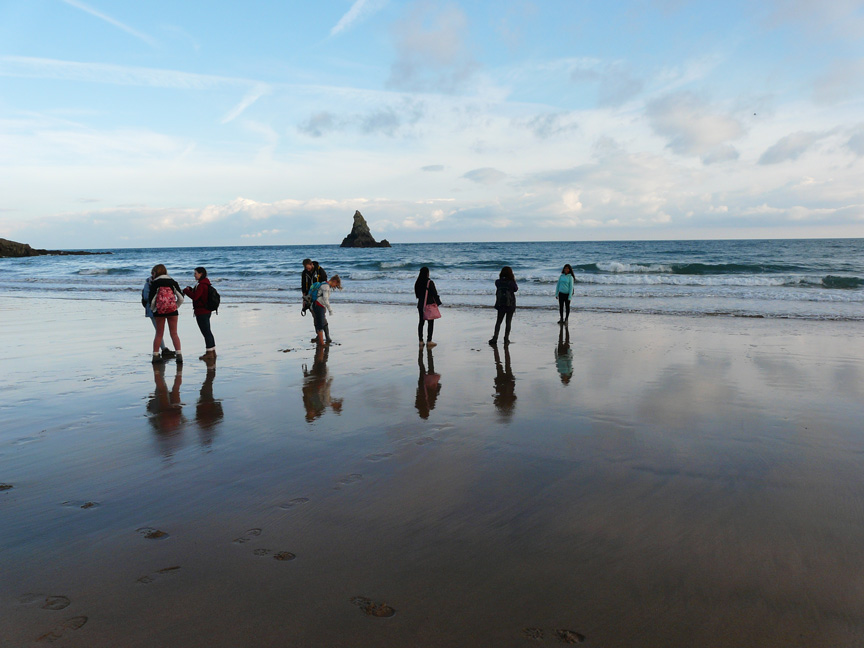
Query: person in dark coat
{"points": [[312, 273], [426, 293], [200, 295], [505, 302]]}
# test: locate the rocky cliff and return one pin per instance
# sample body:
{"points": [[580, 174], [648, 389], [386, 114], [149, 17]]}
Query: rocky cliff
{"points": [[360, 235], [13, 249]]}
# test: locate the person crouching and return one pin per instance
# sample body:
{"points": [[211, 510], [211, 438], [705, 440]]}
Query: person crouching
{"points": [[321, 306]]}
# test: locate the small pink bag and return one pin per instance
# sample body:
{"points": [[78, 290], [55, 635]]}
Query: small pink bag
{"points": [[430, 311]]}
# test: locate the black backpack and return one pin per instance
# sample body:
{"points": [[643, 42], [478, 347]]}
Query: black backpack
{"points": [[505, 299], [213, 299]]}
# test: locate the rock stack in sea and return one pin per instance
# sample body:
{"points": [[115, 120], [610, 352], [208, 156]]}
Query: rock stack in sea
{"points": [[360, 235], [14, 249]]}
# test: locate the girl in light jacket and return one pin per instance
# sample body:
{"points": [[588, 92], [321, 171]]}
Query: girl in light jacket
{"points": [[565, 288], [322, 304]]}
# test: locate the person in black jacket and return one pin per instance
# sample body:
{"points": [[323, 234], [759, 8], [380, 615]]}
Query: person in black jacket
{"points": [[424, 290], [312, 273], [505, 302], [165, 298]]}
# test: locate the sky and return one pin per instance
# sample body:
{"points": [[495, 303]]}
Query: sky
{"points": [[140, 124]]}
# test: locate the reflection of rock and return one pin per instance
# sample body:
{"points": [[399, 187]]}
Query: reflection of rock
{"points": [[360, 235], [12, 249]]}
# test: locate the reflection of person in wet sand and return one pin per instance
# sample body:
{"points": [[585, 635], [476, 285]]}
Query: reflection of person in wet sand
{"points": [[428, 385], [505, 384], [316, 387], [564, 355], [208, 410], [164, 409]]}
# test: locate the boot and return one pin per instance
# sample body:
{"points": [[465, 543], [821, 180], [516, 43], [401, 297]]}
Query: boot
{"points": [[327, 334]]}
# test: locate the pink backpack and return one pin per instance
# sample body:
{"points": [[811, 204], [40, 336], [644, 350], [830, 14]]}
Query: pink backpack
{"points": [[166, 300]]}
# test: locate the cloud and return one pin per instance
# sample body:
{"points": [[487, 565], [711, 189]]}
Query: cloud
{"points": [[615, 83], [551, 124], [384, 121], [790, 147], [486, 176], [692, 127], [318, 124], [722, 153], [856, 142], [843, 81], [93, 12], [359, 10], [38, 68], [433, 167], [432, 53], [251, 97]]}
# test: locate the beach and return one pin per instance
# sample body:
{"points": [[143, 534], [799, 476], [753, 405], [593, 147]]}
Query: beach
{"points": [[629, 480]]}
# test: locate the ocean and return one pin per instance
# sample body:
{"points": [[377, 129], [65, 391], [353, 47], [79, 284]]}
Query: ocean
{"points": [[809, 279]]}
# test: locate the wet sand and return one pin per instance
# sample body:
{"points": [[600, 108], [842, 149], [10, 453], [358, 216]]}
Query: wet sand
{"points": [[657, 482]]}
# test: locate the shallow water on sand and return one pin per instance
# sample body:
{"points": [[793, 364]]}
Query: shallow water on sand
{"points": [[655, 481]]}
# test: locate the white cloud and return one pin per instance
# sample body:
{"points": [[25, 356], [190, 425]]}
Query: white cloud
{"points": [[486, 176], [432, 51], [251, 97], [116, 23], [790, 147], [359, 10], [692, 127]]}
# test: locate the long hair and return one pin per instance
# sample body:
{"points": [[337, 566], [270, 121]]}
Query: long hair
{"points": [[565, 268], [507, 273], [159, 270], [424, 275], [336, 282], [202, 271]]}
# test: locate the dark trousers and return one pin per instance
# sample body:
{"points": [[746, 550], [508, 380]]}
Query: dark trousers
{"points": [[501, 315], [420, 326], [204, 325], [563, 302]]}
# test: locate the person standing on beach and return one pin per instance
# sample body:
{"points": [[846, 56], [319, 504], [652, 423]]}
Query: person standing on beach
{"points": [[321, 303], [505, 302], [565, 288], [165, 298], [148, 312], [200, 295], [426, 293], [312, 273]]}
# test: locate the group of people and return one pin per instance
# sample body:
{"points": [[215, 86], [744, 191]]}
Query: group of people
{"points": [[162, 296], [161, 299]]}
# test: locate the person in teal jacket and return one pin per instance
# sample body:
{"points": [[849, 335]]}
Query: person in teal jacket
{"points": [[565, 288]]}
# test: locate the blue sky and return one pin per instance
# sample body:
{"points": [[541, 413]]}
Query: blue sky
{"points": [[126, 124]]}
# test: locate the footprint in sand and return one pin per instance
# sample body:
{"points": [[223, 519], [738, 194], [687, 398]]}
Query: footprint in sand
{"points": [[247, 536], [80, 504], [152, 534], [294, 502], [279, 555], [5, 487], [350, 479], [380, 456], [533, 633], [569, 636], [48, 602], [58, 631], [381, 610], [149, 578]]}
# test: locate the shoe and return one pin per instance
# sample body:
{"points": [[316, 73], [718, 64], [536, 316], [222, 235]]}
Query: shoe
{"points": [[157, 359], [168, 353], [327, 341], [422, 343], [179, 357], [560, 321], [315, 339], [431, 344], [493, 341]]}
